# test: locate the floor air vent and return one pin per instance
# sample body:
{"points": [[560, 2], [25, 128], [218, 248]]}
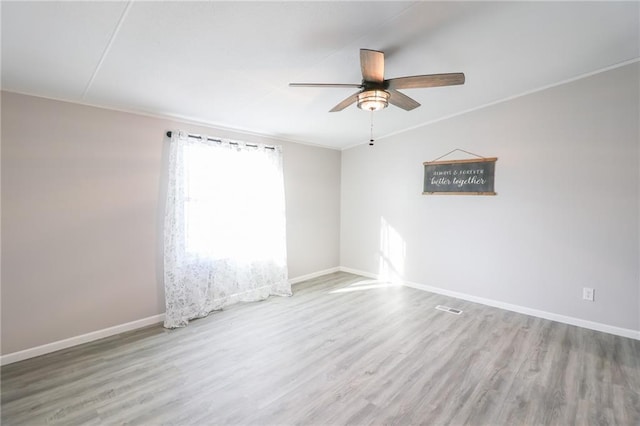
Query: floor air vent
{"points": [[448, 309]]}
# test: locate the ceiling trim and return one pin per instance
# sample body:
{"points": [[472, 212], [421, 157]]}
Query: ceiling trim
{"points": [[178, 118], [499, 101]]}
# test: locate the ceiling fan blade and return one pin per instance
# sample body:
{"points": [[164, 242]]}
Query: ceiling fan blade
{"points": [[323, 85], [372, 65], [421, 81], [345, 103], [402, 101]]}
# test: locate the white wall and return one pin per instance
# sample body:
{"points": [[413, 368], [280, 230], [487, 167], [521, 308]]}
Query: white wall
{"points": [[82, 203], [82, 209], [566, 215]]}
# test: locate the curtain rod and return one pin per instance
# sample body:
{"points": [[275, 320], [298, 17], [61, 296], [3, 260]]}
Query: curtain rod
{"points": [[218, 140]]}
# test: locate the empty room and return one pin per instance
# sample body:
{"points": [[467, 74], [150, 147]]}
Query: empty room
{"points": [[320, 213]]}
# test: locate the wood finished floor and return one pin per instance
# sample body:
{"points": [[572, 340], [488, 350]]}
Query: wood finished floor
{"points": [[342, 350]]}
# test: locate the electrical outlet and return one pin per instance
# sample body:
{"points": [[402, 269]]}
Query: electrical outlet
{"points": [[588, 294]]}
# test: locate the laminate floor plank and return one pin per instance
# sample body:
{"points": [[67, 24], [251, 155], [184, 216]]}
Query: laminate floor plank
{"points": [[342, 350]]}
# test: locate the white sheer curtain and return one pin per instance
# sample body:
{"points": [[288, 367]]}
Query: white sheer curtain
{"points": [[224, 235]]}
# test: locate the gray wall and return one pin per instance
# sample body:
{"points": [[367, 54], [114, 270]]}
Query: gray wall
{"points": [[565, 217], [82, 205]]}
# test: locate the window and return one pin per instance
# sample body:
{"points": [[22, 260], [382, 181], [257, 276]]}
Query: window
{"points": [[224, 236]]}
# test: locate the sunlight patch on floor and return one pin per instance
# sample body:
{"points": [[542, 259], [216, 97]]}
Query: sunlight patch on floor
{"points": [[365, 285]]}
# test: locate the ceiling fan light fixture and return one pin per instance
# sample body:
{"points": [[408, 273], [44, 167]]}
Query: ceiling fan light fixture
{"points": [[373, 100]]}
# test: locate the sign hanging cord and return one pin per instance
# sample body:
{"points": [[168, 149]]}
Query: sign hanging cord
{"points": [[450, 152]]}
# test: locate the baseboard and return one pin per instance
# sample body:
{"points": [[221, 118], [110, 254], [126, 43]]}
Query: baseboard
{"points": [[592, 325], [618, 331], [78, 340], [302, 278], [111, 331], [358, 272]]}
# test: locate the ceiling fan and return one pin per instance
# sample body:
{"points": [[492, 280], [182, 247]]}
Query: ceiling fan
{"points": [[377, 93]]}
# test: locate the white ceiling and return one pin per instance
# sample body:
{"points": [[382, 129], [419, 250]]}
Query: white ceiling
{"points": [[228, 64]]}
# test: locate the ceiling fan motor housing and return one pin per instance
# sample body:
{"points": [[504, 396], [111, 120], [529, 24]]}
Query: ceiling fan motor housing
{"points": [[373, 100]]}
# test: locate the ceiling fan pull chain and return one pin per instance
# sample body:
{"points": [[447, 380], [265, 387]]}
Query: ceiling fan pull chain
{"points": [[371, 134]]}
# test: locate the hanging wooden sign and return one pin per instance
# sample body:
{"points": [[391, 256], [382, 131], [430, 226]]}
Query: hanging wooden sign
{"points": [[460, 177]]}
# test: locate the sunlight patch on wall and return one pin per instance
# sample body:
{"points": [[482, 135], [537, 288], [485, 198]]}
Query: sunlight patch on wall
{"points": [[393, 250]]}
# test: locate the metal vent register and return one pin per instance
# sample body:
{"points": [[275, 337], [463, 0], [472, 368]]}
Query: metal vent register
{"points": [[448, 309]]}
